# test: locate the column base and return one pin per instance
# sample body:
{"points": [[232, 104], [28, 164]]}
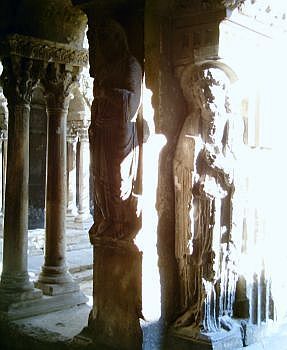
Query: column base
{"points": [[114, 319], [16, 281], [18, 303], [71, 214], [80, 223], [18, 309], [57, 289], [56, 280], [186, 338], [84, 218], [251, 333]]}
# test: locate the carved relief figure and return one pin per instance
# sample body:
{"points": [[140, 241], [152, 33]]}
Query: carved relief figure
{"points": [[113, 133], [203, 176]]}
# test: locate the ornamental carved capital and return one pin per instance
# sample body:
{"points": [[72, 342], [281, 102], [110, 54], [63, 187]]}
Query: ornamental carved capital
{"points": [[19, 77], [83, 131], [72, 134], [44, 50], [58, 82]]}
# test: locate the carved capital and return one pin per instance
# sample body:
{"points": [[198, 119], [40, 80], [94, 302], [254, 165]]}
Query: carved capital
{"points": [[44, 50], [58, 82], [20, 76], [233, 4], [83, 132], [72, 134]]}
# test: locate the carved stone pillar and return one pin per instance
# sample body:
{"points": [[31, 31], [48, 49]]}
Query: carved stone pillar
{"points": [[19, 77], [72, 173], [204, 187], [55, 278], [114, 166], [84, 175]]}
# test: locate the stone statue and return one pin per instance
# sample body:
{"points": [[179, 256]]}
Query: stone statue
{"points": [[203, 178], [113, 133]]}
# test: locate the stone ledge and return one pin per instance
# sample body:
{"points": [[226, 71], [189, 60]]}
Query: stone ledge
{"points": [[44, 305], [54, 330]]}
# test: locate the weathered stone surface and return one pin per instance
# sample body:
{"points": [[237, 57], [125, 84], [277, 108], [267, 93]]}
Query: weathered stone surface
{"points": [[114, 139], [19, 77], [227, 340], [55, 278], [114, 320], [203, 176]]}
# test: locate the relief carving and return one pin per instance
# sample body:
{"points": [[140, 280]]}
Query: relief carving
{"points": [[19, 77], [45, 50], [203, 179], [113, 133], [58, 82]]}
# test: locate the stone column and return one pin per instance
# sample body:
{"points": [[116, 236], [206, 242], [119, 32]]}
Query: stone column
{"points": [[84, 175], [55, 278], [19, 77], [72, 172], [3, 149]]}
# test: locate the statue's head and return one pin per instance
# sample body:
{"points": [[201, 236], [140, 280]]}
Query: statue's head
{"points": [[107, 43], [206, 88]]}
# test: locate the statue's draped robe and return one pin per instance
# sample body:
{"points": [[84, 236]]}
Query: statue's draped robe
{"points": [[203, 192], [114, 147]]}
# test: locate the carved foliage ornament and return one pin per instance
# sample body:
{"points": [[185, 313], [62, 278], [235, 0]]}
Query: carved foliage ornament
{"points": [[59, 81], [20, 76], [43, 50]]}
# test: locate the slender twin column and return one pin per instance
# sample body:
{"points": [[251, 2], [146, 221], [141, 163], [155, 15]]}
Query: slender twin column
{"points": [[84, 174], [72, 174], [19, 77], [55, 278]]}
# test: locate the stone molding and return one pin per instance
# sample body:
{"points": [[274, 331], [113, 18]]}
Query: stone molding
{"points": [[37, 49]]}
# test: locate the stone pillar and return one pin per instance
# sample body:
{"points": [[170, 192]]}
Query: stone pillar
{"points": [[18, 80], [3, 149], [84, 175], [55, 278], [72, 173], [114, 319]]}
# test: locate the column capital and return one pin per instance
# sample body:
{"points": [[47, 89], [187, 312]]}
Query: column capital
{"points": [[72, 133], [83, 131], [20, 75], [58, 82], [43, 50]]}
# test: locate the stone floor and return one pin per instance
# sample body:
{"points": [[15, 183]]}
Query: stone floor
{"points": [[57, 329]]}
